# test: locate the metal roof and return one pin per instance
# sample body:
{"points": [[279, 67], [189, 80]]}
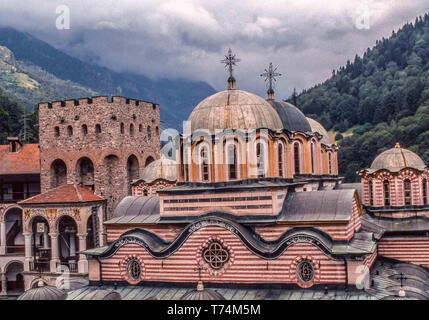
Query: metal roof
{"points": [[311, 206], [396, 159], [292, 118], [136, 210], [234, 109]]}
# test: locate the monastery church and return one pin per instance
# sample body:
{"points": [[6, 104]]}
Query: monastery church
{"points": [[251, 198]]}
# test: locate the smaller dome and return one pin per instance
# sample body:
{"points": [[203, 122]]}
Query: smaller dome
{"points": [[160, 169], [396, 159], [202, 294], [292, 118], [317, 127], [43, 292]]}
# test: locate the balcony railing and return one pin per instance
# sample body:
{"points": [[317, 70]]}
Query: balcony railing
{"points": [[15, 250], [71, 265], [39, 266]]}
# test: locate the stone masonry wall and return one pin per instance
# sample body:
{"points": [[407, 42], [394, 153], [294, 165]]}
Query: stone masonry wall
{"points": [[106, 132]]}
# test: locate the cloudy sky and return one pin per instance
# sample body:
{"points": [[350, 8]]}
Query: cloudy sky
{"points": [[306, 39]]}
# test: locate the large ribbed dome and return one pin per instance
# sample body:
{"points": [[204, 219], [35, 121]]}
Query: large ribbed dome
{"points": [[292, 118], [234, 109], [396, 159], [317, 127]]}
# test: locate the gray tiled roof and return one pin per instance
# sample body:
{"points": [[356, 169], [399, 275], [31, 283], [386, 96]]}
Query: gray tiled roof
{"points": [[325, 205]]}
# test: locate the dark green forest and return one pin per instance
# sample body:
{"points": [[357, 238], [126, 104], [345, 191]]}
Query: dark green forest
{"points": [[12, 121], [381, 98]]}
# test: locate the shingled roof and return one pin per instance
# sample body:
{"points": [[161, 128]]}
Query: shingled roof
{"points": [[67, 193], [25, 161]]}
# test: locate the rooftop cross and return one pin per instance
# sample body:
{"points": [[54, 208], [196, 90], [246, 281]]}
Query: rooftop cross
{"points": [[270, 76], [401, 278], [230, 61]]}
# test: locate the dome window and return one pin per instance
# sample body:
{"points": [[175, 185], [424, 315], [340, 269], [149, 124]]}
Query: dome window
{"points": [[312, 157], [204, 163], [260, 160], [407, 192], [425, 191], [281, 157], [386, 189], [232, 162], [330, 162], [296, 157], [371, 195]]}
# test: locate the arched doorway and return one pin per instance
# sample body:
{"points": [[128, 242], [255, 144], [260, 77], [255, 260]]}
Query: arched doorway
{"points": [[132, 171], [68, 242], [85, 172], [41, 245], [14, 237], [14, 278], [58, 173]]}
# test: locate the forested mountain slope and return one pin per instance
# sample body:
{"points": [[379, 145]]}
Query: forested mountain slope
{"points": [[380, 98]]}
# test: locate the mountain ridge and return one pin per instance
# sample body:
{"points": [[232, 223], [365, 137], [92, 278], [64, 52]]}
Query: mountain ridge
{"points": [[176, 98]]}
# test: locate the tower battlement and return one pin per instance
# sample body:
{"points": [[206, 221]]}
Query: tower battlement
{"points": [[95, 100]]}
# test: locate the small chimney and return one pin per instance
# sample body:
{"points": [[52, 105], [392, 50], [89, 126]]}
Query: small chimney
{"points": [[14, 144]]}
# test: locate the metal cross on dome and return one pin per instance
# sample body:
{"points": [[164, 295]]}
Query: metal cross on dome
{"points": [[270, 75], [230, 61]]}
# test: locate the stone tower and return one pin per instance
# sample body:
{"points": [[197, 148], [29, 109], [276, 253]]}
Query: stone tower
{"points": [[99, 143]]}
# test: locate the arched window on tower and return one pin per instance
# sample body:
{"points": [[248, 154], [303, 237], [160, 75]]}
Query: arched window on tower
{"points": [[407, 192], [312, 157], [57, 131], [131, 129], [281, 157], [260, 160], [425, 191], [330, 162], [386, 189], [70, 130], [204, 164], [371, 195], [97, 129], [84, 129], [296, 158], [232, 162], [122, 128]]}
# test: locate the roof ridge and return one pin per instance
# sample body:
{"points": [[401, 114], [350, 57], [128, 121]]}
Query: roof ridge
{"points": [[79, 196]]}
